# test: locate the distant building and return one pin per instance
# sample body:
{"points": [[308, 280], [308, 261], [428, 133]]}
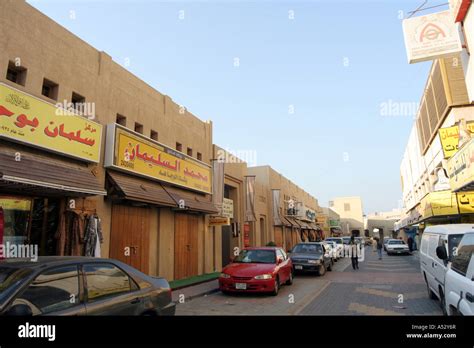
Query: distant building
{"points": [[350, 213], [384, 221]]}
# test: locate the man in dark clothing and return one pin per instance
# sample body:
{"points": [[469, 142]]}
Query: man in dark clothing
{"points": [[379, 248], [410, 243], [353, 246]]}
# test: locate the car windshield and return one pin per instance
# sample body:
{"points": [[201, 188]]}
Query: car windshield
{"points": [[11, 279], [337, 240], [396, 242], [346, 240], [308, 249], [453, 243], [256, 256]]}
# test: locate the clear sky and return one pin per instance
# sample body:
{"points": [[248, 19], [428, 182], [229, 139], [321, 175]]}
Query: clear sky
{"points": [[307, 94]]}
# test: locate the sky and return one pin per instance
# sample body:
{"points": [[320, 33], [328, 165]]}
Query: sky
{"points": [[302, 86]]}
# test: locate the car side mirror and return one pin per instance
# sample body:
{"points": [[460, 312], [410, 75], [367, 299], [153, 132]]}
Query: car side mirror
{"points": [[22, 310], [280, 260], [441, 253]]}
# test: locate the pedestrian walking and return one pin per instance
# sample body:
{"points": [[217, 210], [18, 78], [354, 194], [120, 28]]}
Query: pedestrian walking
{"points": [[379, 248], [353, 248], [410, 243], [374, 244]]}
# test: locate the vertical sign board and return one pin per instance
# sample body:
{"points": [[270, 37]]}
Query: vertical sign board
{"points": [[431, 37]]}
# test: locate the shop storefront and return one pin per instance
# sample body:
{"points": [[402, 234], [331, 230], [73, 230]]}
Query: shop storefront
{"points": [[47, 176], [160, 201]]}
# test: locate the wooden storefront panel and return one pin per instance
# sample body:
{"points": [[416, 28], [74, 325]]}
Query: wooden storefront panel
{"points": [[130, 228], [185, 245], [278, 236]]}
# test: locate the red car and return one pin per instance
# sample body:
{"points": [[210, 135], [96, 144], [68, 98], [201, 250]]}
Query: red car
{"points": [[262, 269]]}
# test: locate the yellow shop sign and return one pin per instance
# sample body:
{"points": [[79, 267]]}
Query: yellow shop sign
{"points": [[27, 119], [132, 152]]}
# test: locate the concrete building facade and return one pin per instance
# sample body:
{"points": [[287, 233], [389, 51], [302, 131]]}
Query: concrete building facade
{"points": [[350, 213]]}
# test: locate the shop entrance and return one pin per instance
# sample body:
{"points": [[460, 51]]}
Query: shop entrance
{"points": [[185, 245], [130, 236], [226, 247]]}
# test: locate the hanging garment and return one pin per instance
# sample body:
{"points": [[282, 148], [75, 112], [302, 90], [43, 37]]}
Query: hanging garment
{"points": [[70, 234], [93, 236]]}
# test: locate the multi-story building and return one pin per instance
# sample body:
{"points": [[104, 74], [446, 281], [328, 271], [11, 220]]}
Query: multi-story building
{"points": [[138, 161], [332, 223], [350, 214], [285, 213], [444, 121], [384, 221]]}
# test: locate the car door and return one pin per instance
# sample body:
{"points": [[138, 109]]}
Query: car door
{"points": [[430, 262], [326, 256], [283, 268], [111, 291], [55, 291], [461, 279]]}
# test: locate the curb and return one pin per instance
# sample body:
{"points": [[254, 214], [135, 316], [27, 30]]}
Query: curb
{"points": [[200, 294]]}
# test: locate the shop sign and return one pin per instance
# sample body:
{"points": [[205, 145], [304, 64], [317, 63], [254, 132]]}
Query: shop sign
{"points": [[228, 208], [460, 167], [132, 152], [334, 223], [218, 221], [30, 120], [449, 138], [466, 202], [431, 37], [443, 203], [15, 204]]}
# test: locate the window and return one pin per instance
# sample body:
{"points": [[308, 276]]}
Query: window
{"points": [[53, 290], [121, 120], [16, 73], [179, 147], [347, 207], [464, 254], [50, 89], [189, 151], [138, 128], [105, 280], [154, 135], [199, 156], [78, 101]]}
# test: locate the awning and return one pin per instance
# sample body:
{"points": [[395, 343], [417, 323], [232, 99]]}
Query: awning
{"points": [[40, 175], [314, 226], [304, 225], [286, 222], [293, 221], [192, 202], [142, 190], [137, 189]]}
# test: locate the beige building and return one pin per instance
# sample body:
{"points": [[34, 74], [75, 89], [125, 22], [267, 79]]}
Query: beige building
{"points": [[285, 213], [350, 213], [154, 197]]}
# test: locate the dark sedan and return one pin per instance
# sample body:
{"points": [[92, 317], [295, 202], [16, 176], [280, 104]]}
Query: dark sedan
{"points": [[80, 286], [311, 257]]}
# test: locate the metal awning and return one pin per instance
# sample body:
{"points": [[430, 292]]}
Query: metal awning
{"points": [[44, 176]]}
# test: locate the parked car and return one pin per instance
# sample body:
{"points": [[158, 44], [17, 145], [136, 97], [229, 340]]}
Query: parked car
{"points": [[337, 246], [263, 269], [80, 286], [433, 268], [385, 241], [459, 280], [311, 257], [331, 251], [397, 246]]}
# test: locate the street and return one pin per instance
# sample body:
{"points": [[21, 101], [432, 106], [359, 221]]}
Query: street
{"points": [[391, 286]]}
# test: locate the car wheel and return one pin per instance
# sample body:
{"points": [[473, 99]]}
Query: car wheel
{"points": [[290, 279], [431, 294], [322, 270], [276, 286]]}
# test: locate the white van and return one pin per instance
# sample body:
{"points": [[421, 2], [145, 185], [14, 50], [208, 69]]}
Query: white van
{"points": [[433, 268], [459, 280]]}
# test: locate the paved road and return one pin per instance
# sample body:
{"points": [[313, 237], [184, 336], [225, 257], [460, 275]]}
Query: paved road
{"points": [[391, 286]]}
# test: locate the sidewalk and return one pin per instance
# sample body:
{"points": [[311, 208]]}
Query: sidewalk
{"points": [[194, 291]]}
